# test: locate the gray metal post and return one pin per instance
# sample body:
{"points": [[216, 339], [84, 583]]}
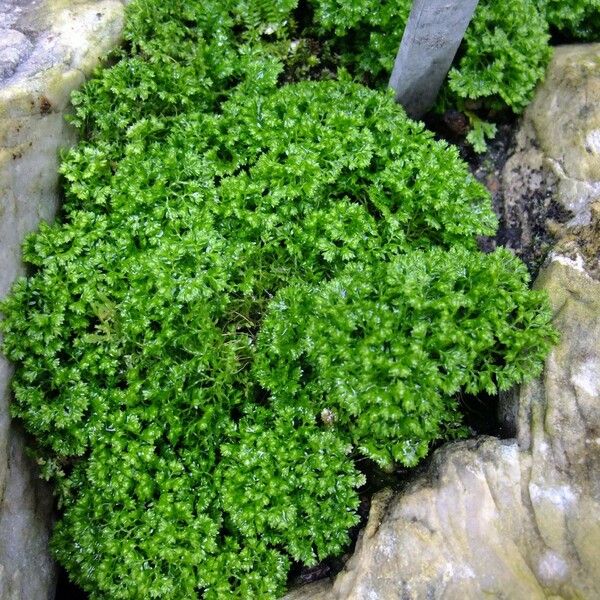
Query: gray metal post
{"points": [[432, 36]]}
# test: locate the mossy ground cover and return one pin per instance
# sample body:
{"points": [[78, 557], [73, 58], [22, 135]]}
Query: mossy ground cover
{"points": [[501, 60], [251, 287]]}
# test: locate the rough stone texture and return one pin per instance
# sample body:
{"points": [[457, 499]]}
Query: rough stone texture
{"points": [[47, 47], [559, 426], [528, 192], [502, 518], [565, 116], [517, 518], [432, 36], [582, 242], [14, 48], [559, 141]]}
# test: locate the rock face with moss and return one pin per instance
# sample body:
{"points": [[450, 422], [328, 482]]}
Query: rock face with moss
{"points": [[568, 141], [249, 287], [47, 48]]}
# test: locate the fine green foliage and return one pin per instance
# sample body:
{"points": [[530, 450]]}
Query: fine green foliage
{"points": [[385, 347], [135, 334], [197, 449], [183, 56], [579, 18], [311, 473], [189, 56], [480, 132], [503, 56], [368, 33]]}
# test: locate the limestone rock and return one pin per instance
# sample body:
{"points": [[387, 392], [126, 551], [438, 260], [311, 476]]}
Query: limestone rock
{"points": [[47, 47], [14, 48], [565, 115], [502, 518], [560, 133], [551, 183], [559, 426]]}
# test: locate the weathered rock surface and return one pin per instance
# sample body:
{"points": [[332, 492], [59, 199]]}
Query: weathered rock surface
{"points": [[556, 161], [47, 47], [565, 115], [518, 518]]}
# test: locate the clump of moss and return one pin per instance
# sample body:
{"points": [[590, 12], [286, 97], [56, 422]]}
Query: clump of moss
{"points": [[178, 338], [385, 346], [579, 19], [503, 56]]}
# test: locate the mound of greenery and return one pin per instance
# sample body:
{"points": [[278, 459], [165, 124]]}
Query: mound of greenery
{"points": [[384, 347], [248, 289], [189, 449], [181, 56]]}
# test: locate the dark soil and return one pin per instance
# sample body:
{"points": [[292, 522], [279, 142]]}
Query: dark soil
{"points": [[65, 590], [529, 217], [527, 211]]}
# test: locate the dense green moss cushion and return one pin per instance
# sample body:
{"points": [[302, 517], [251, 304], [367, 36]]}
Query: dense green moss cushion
{"points": [[189, 447]]}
